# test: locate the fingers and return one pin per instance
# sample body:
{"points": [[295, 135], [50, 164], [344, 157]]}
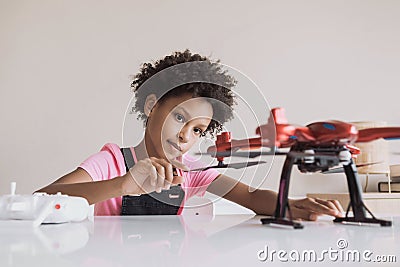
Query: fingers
{"points": [[310, 208], [303, 214], [179, 165], [169, 176], [298, 213], [334, 205], [142, 172], [159, 183], [165, 173], [311, 205], [153, 174], [338, 207]]}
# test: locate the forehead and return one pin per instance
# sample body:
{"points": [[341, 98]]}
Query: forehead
{"points": [[192, 108]]}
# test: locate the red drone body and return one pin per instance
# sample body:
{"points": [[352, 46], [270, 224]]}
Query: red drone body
{"points": [[323, 133]]}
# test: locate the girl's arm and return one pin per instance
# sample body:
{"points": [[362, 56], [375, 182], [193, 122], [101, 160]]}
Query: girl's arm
{"points": [[79, 183], [148, 175], [264, 201]]}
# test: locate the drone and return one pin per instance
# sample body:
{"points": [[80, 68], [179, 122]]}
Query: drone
{"points": [[317, 147]]}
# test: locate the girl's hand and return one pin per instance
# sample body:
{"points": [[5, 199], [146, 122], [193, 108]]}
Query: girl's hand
{"points": [[151, 174], [311, 208]]}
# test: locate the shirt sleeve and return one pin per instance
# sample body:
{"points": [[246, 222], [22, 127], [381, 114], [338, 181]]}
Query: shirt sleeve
{"points": [[106, 164]]}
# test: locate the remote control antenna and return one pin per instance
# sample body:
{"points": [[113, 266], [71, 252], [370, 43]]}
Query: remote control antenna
{"points": [[13, 188]]}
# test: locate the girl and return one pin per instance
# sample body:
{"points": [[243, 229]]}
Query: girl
{"points": [[174, 121]]}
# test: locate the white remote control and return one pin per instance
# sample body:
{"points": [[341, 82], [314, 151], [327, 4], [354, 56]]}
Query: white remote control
{"points": [[43, 208]]}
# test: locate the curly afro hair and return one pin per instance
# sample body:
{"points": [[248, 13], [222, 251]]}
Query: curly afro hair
{"points": [[206, 79]]}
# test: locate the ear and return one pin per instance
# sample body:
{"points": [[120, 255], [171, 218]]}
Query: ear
{"points": [[149, 104]]}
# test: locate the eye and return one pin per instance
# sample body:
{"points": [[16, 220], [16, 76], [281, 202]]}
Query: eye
{"points": [[179, 117], [198, 131]]}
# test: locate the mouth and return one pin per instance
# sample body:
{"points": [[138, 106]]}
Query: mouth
{"points": [[174, 145]]}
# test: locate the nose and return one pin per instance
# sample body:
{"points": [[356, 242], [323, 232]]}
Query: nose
{"points": [[184, 135]]}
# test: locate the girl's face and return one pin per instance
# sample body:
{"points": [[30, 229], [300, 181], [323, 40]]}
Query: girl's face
{"points": [[175, 125]]}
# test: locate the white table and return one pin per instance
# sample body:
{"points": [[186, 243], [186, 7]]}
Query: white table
{"points": [[225, 240]]}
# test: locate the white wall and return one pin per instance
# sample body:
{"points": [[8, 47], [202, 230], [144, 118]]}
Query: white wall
{"points": [[65, 66]]}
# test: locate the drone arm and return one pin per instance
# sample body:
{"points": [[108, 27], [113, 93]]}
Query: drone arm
{"points": [[370, 134], [252, 143], [247, 144]]}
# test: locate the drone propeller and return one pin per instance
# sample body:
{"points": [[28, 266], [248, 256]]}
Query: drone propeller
{"points": [[341, 170], [230, 165], [241, 154], [253, 154], [316, 155]]}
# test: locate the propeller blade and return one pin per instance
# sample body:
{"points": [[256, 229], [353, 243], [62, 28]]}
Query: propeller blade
{"points": [[239, 165], [370, 134], [243, 154], [254, 154], [244, 164], [316, 155], [340, 169]]}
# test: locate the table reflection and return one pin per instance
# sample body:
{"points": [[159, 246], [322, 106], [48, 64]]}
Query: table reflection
{"points": [[177, 241]]}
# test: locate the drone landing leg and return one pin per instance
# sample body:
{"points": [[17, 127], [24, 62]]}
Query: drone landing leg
{"points": [[282, 200], [356, 202]]}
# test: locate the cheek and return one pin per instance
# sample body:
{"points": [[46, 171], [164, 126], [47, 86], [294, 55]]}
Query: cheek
{"points": [[192, 143], [169, 128], [193, 140]]}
